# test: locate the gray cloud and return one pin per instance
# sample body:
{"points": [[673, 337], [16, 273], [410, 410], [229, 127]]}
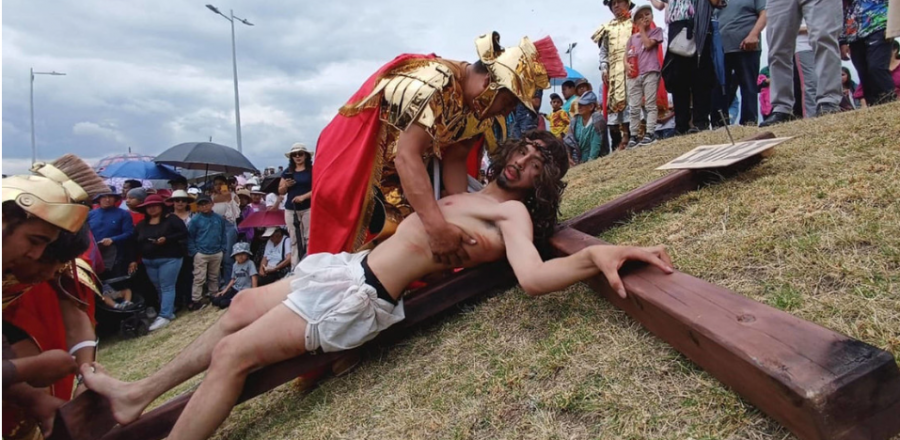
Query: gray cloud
{"points": [[152, 74]]}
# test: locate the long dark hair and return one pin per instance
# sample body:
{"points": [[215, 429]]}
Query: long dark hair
{"points": [[543, 202], [307, 162], [851, 85]]}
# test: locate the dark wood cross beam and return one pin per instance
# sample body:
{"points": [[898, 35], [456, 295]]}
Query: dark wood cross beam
{"points": [[819, 384]]}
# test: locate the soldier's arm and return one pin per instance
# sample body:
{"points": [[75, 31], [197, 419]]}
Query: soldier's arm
{"points": [[455, 172]]}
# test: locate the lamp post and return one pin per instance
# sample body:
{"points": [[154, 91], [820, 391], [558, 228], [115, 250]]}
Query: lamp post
{"points": [[33, 73], [237, 100], [569, 51]]}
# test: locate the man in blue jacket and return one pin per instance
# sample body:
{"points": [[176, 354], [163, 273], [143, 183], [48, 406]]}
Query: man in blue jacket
{"points": [[206, 244], [112, 228]]}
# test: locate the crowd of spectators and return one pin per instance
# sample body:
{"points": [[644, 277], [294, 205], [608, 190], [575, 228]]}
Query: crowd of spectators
{"points": [[188, 246], [704, 70]]}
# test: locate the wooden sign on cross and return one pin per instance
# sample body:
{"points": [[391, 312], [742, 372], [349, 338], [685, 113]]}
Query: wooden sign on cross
{"points": [[818, 383]]}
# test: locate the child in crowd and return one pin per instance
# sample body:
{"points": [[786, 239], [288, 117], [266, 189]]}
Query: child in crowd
{"points": [[642, 75], [243, 276], [559, 118], [117, 299], [206, 243]]}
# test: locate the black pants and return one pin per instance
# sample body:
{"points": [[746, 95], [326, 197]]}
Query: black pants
{"points": [[742, 70], [270, 277], [224, 300], [185, 283], [690, 82], [872, 58]]}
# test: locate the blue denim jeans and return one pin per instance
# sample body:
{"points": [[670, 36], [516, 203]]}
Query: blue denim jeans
{"points": [[227, 260], [163, 273]]}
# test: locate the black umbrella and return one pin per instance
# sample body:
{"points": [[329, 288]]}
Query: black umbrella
{"points": [[206, 156]]}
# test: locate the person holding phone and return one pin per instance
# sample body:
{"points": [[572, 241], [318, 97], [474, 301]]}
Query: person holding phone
{"points": [[296, 187], [161, 238]]}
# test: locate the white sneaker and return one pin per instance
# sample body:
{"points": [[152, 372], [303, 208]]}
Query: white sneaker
{"points": [[159, 323]]}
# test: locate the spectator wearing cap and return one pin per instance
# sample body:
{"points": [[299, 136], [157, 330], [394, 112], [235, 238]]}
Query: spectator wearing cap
{"points": [[642, 75], [206, 244], [243, 276], [133, 199], [586, 131], [161, 237], [182, 201], [276, 259], [296, 186], [112, 228]]}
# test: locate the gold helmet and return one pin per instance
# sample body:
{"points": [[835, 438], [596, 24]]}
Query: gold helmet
{"points": [[50, 196], [521, 69]]}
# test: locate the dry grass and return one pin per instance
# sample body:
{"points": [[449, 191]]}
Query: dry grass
{"points": [[815, 230]]}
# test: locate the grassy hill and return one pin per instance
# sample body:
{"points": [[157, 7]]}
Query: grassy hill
{"points": [[814, 230]]}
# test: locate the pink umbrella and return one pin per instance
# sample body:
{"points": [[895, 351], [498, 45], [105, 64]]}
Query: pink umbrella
{"points": [[264, 219]]}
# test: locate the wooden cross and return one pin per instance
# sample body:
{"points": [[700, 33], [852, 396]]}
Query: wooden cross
{"points": [[818, 383]]}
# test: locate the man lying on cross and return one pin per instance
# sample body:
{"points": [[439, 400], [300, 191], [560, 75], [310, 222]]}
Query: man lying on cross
{"points": [[337, 302]]}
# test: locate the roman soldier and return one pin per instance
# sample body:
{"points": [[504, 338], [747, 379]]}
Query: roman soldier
{"points": [[612, 38], [371, 160]]}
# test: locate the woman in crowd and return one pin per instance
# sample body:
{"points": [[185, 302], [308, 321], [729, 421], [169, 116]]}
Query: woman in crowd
{"points": [[227, 205], [296, 184], [586, 131], [848, 87], [182, 201], [690, 79], [161, 237], [276, 260]]}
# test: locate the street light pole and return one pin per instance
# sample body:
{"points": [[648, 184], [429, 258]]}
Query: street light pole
{"points": [[31, 80], [237, 99], [569, 51]]}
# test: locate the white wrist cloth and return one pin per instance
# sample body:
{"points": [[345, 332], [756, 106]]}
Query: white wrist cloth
{"points": [[81, 345]]}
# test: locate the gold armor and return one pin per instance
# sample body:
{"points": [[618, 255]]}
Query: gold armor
{"points": [[615, 34], [48, 199], [427, 92]]}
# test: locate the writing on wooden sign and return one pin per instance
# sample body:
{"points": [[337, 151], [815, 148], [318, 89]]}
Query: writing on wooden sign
{"points": [[716, 156]]}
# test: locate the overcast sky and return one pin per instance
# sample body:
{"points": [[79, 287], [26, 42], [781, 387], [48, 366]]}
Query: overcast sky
{"points": [[148, 75], [151, 74]]}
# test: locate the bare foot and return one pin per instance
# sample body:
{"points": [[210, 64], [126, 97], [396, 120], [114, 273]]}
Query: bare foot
{"points": [[126, 403]]}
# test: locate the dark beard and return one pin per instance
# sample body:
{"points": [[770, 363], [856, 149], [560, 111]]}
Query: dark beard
{"points": [[502, 182]]}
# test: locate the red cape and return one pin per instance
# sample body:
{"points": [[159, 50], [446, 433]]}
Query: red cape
{"points": [[345, 158]]}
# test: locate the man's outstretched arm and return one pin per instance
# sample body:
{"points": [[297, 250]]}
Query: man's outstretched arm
{"points": [[538, 277]]}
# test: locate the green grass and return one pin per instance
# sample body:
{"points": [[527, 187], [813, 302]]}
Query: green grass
{"points": [[814, 230]]}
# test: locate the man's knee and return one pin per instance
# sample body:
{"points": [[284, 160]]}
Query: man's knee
{"points": [[233, 356], [240, 314]]}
